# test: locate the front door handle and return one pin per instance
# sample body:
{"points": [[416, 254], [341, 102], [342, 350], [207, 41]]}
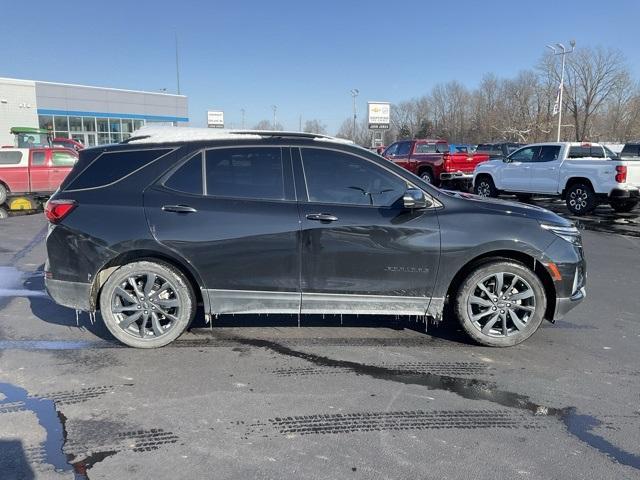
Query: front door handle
{"points": [[179, 209], [322, 217]]}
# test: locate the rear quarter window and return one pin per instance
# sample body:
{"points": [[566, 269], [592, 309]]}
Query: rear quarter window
{"points": [[10, 158], [112, 166]]}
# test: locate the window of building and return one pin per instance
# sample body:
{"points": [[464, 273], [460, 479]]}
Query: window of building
{"points": [[75, 124], [253, 173], [127, 126], [61, 123], [114, 125], [103, 125], [138, 124], [187, 178], [103, 138], [89, 124], [45, 121], [336, 177]]}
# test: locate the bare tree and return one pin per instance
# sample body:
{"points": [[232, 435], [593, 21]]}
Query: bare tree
{"points": [[314, 126], [362, 135], [267, 125]]}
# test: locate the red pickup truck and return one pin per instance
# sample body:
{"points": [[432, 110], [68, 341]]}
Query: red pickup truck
{"points": [[33, 172], [432, 161]]}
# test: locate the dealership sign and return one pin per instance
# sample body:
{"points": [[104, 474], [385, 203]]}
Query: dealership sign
{"points": [[215, 119], [379, 115]]}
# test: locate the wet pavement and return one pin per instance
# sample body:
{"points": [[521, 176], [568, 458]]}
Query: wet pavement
{"points": [[257, 397]]}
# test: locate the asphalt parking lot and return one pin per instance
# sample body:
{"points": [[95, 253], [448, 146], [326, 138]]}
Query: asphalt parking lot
{"points": [[372, 398]]}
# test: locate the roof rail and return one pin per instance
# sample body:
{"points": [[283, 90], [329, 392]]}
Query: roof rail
{"points": [[151, 134]]}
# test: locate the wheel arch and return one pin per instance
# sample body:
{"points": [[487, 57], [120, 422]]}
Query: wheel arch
{"points": [[510, 255], [572, 181], [143, 254], [482, 175]]}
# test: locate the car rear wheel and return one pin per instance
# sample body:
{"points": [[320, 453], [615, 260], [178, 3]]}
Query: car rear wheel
{"points": [[484, 187], [3, 213], [581, 199], [624, 206], [427, 176], [501, 304], [147, 304], [3, 194]]}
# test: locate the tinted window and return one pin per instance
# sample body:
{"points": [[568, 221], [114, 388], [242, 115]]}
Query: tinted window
{"points": [[37, 158], [335, 177], [188, 177], [426, 148], [524, 155], [630, 150], [579, 152], [442, 147], [113, 166], [404, 148], [549, 153], [63, 159], [391, 150], [245, 173], [597, 152], [10, 158]]}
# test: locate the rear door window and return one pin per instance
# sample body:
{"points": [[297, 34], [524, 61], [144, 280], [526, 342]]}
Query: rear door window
{"points": [[188, 177], [251, 173], [426, 148]]}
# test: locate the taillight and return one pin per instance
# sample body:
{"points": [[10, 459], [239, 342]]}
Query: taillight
{"points": [[621, 173], [57, 210]]}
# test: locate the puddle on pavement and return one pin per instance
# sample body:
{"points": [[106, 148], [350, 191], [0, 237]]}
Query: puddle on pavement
{"points": [[54, 424], [579, 425], [14, 283]]}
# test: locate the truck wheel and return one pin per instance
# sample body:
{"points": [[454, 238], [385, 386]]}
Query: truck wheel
{"points": [[147, 304], [501, 304], [581, 199], [3, 213], [623, 206], [485, 187], [3, 194], [427, 176]]}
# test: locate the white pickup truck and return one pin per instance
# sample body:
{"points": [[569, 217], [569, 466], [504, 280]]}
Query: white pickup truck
{"points": [[584, 174]]}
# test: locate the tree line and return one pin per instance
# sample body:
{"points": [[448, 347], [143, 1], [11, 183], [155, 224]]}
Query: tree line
{"points": [[601, 103]]}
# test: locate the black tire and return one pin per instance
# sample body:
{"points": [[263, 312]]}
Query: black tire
{"points": [[623, 206], [164, 311], [3, 213], [3, 193], [491, 322], [427, 176], [581, 199], [484, 187], [524, 197]]}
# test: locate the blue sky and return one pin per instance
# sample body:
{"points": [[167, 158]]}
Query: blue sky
{"points": [[302, 56]]}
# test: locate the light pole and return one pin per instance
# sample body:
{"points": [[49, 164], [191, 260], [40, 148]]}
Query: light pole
{"points": [[562, 51], [354, 93], [274, 108], [242, 112]]}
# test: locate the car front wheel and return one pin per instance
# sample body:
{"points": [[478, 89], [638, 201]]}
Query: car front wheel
{"points": [[147, 304], [501, 304], [484, 187]]}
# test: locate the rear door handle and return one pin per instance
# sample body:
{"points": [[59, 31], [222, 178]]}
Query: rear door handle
{"points": [[322, 217], [179, 209]]}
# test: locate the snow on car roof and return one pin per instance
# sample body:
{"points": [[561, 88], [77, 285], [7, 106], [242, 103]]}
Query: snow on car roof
{"points": [[163, 134]]}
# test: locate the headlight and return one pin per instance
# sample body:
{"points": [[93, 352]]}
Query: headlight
{"points": [[570, 234]]}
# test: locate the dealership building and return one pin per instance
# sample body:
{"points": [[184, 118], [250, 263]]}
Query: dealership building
{"points": [[90, 115]]}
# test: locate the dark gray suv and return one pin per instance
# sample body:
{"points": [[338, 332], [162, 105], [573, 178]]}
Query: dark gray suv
{"points": [[274, 222]]}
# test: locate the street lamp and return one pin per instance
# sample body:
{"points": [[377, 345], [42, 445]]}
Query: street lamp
{"points": [[354, 93], [274, 108], [561, 51]]}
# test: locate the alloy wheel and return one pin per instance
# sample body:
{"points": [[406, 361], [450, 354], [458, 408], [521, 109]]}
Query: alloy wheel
{"points": [[578, 199], [501, 304], [146, 305], [483, 189]]}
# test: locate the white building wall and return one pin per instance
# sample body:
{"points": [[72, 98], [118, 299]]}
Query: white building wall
{"points": [[17, 107]]}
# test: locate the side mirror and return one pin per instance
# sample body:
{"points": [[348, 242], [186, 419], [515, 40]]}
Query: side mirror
{"points": [[415, 199]]}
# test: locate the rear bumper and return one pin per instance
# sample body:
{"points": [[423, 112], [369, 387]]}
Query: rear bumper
{"points": [[468, 177], [564, 305], [74, 295], [620, 194]]}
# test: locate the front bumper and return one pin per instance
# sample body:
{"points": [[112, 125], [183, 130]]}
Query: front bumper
{"points": [[74, 295], [564, 305], [467, 177]]}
